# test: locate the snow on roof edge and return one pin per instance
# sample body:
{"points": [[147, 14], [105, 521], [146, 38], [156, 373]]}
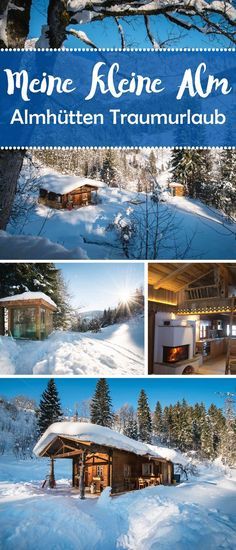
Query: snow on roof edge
{"points": [[101, 436], [65, 183], [29, 296]]}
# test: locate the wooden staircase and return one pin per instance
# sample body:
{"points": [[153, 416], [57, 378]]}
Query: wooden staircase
{"points": [[230, 366]]}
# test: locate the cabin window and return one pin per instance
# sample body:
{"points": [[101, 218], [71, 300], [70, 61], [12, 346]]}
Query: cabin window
{"points": [[43, 193], [127, 470], [233, 330], [85, 197], [24, 322], [52, 196], [99, 471], [147, 469]]}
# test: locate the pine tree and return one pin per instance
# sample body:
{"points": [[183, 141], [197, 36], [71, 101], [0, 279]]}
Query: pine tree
{"points": [[157, 421], [191, 168], [207, 447], [37, 277], [152, 167], [217, 421], [101, 405], [198, 420], [144, 418], [228, 438], [109, 169], [49, 407]]}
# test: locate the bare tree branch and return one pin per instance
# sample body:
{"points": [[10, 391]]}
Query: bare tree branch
{"points": [[154, 43], [205, 12], [81, 35], [121, 31]]}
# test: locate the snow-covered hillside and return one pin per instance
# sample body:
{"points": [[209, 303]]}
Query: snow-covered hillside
{"points": [[186, 228], [115, 351], [192, 515]]}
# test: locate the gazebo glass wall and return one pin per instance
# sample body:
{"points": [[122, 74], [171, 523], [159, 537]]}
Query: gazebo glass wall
{"points": [[24, 322]]}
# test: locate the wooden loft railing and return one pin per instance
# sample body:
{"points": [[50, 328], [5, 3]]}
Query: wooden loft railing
{"points": [[205, 305], [202, 292]]}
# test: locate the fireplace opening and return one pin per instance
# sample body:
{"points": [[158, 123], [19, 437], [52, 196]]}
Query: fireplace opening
{"points": [[175, 354]]}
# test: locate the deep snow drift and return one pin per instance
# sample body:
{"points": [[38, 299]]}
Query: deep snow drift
{"points": [[193, 515], [194, 229], [115, 351]]}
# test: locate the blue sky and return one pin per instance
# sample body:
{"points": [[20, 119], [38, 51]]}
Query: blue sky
{"points": [[73, 390], [99, 286], [104, 34]]}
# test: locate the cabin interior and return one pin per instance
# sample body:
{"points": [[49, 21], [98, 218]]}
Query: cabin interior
{"points": [[95, 467], [192, 318]]}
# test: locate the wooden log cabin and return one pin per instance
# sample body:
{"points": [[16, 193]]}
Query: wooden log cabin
{"points": [[67, 192], [28, 315], [103, 458], [176, 189], [192, 318]]}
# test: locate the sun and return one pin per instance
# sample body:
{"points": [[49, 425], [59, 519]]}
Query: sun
{"points": [[124, 296]]}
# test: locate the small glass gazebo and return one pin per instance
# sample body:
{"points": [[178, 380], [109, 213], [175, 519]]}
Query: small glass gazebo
{"points": [[28, 315]]}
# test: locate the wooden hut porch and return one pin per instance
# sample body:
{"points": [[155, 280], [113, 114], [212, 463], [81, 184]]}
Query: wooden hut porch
{"points": [[96, 466]]}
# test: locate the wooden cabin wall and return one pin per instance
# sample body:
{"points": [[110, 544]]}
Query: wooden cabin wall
{"points": [[2, 322], [91, 471], [122, 459]]}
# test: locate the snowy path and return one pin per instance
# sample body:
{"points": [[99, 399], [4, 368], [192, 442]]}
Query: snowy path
{"points": [[115, 351], [198, 514]]}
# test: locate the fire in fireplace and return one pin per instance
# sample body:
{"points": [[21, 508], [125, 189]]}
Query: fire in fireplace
{"points": [[175, 354]]}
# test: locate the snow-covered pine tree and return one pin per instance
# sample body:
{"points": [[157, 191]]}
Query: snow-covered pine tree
{"points": [[228, 439], [217, 422], [126, 421], [49, 407], [207, 447], [157, 427], [101, 405], [109, 169], [191, 168], [144, 418], [198, 420], [167, 423], [38, 277], [184, 433], [152, 164]]}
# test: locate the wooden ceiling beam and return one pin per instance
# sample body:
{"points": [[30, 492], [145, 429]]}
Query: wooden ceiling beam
{"points": [[168, 277]]}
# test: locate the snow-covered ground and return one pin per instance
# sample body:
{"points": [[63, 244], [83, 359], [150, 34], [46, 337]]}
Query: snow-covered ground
{"points": [[197, 514], [196, 231], [115, 351]]}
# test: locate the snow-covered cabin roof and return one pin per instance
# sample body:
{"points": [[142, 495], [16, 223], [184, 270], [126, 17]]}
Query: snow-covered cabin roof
{"points": [[174, 184], [62, 184], [29, 296], [100, 435]]}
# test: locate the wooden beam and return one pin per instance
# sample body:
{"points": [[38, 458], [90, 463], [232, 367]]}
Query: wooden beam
{"points": [[82, 476], [175, 272]]}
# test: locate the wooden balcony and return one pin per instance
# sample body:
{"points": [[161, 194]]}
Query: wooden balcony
{"points": [[205, 306]]}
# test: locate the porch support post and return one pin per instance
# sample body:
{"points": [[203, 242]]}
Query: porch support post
{"points": [[52, 482], [2, 324], [82, 475], [37, 321]]}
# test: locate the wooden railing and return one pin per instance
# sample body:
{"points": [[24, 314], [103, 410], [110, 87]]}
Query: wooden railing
{"points": [[205, 305]]}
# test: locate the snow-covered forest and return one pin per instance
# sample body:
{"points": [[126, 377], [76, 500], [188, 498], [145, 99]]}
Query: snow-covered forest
{"points": [[202, 433], [136, 213]]}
